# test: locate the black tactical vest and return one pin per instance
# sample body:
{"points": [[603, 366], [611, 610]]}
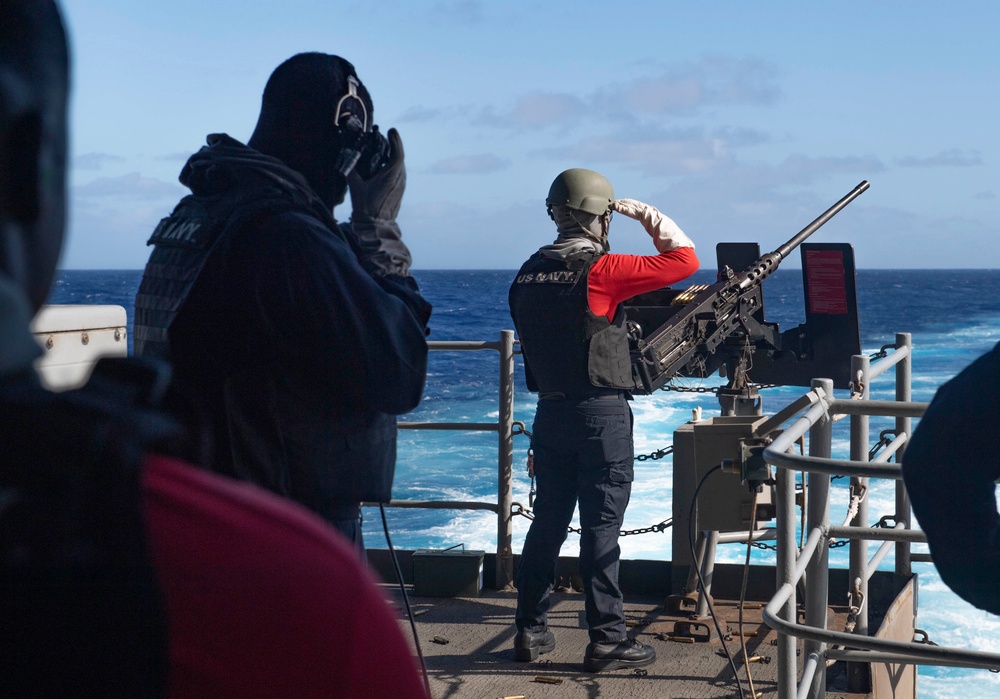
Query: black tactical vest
{"points": [[183, 242], [566, 347]]}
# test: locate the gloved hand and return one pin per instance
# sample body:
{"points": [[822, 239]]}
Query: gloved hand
{"points": [[375, 203], [666, 234]]}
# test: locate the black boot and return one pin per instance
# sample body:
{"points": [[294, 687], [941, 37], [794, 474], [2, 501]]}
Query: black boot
{"points": [[611, 656], [528, 644]]}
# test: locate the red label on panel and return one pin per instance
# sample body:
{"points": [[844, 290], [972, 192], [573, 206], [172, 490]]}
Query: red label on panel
{"points": [[825, 281]]}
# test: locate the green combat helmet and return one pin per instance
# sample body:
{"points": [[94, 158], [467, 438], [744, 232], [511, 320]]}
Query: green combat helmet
{"points": [[583, 190]]}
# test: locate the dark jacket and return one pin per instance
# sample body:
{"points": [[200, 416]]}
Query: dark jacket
{"points": [[567, 349], [75, 567], [296, 354], [950, 468]]}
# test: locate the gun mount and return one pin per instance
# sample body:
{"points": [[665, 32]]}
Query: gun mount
{"points": [[704, 328]]}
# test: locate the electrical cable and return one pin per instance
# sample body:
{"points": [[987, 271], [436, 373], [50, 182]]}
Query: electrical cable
{"points": [[406, 599], [743, 593], [701, 580]]}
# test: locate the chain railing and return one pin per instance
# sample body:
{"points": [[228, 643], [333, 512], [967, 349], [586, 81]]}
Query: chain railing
{"points": [[506, 428]]}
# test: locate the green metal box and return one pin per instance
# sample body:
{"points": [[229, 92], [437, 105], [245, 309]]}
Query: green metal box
{"points": [[447, 573]]}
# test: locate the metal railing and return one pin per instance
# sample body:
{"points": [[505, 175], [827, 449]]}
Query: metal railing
{"points": [[814, 414], [812, 561], [504, 427]]}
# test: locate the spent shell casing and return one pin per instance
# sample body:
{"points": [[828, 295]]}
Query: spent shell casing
{"points": [[547, 680]]}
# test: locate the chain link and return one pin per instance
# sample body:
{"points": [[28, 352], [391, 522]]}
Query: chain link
{"points": [[518, 509], [691, 389], [832, 544], [711, 389], [882, 353], [886, 522], [658, 454], [884, 440]]}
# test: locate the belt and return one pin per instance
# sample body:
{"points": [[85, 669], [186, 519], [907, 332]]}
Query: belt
{"points": [[559, 395]]}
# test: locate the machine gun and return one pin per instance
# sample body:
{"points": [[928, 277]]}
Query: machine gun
{"points": [[704, 328]]}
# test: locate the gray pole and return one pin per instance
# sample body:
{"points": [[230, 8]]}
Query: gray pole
{"points": [[787, 552], [858, 679], [904, 373], [505, 464], [818, 515]]}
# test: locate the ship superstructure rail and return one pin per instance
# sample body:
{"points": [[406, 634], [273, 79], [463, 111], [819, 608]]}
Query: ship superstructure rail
{"points": [[811, 416], [812, 561], [505, 429]]}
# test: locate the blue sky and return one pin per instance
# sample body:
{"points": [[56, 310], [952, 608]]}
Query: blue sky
{"points": [[743, 121]]}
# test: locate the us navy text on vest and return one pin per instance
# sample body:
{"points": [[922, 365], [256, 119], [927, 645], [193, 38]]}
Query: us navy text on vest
{"points": [[180, 230], [557, 277]]}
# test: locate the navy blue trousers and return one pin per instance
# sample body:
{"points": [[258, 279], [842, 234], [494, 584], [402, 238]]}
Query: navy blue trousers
{"points": [[583, 455], [346, 519]]}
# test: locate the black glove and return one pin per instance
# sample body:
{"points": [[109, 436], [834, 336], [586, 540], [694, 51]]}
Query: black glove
{"points": [[375, 202]]}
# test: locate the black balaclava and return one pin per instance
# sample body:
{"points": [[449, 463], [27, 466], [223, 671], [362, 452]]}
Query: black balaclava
{"points": [[303, 100]]}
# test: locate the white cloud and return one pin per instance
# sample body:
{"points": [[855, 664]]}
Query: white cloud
{"points": [[469, 164], [676, 153], [176, 157], [533, 111], [418, 113], [131, 185], [947, 158], [94, 161], [713, 80], [105, 235], [804, 168]]}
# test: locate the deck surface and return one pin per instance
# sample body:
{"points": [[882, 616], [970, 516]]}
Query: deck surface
{"points": [[473, 655]]}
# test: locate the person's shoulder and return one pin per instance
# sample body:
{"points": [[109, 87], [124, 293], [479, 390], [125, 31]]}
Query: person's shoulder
{"points": [[293, 229], [682, 261]]}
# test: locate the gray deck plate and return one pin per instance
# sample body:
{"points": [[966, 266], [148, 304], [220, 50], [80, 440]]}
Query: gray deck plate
{"points": [[478, 660]]}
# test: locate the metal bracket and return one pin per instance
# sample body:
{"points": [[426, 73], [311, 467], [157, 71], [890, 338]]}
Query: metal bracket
{"points": [[697, 630], [682, 604]]}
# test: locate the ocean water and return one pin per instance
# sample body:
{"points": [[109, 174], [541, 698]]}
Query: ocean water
{"points": [[953, 316]]}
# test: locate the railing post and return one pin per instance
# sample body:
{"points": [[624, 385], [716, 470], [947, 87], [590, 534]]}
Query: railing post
{"points": [[858, 679], [785, 569], [818, 570], [505, 464], [707, 565], [904, 376]]}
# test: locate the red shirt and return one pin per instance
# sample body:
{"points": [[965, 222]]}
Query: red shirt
{"points": [[263, 599], [617, 278]]}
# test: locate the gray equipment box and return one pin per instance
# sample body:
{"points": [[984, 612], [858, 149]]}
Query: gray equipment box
{"points": [[724, 504], [447, 573]]}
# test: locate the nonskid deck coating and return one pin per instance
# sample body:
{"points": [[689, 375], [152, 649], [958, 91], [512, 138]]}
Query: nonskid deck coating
{"points": [[473, 655]]}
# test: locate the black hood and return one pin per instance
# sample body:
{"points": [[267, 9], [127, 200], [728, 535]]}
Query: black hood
{"points": [[225, 163]]}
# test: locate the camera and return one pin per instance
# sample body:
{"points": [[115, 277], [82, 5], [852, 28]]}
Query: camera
{"points": [[362, 152], [375, 152]]}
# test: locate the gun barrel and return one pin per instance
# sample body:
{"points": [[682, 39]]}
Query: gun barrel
{"points": [[797, 239], [769, 262]]}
